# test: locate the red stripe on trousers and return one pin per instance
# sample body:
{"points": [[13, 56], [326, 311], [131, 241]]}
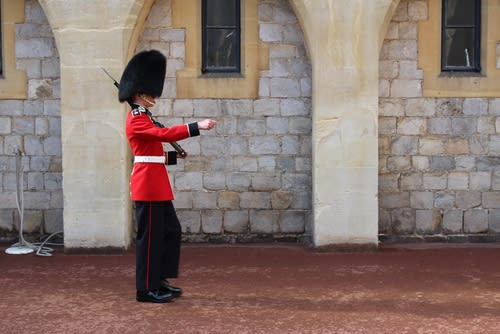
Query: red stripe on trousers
{"points": [[149, 248]]}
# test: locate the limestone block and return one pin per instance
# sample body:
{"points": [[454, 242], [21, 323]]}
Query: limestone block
{"points": [[300, 125], [417, 10], [427, 221], [449, 107], [53, 221], [172, 35], [453, 221], [442, 163], [5, 125], [41, 126], [255, 200], [295, 107], [33, 145], [403, 221], [494, 145], [467, 199], [463, 126], [183, 200], [266, 163], [264, 87], [264, 145], [40, 89], [281, 199], [398, 163], [405, 145], [395, 200], [264, 221], [412, 126], [388, 69], [408, 70], [494, 107], [456, 146], [384, 87], [387, 125], [11, 108], [228, 200], [251, 127], [458, 181], [440, 125], [245, 164], [207, 108], [406, 88], [286, 164], [302, 200], [237, 145], [420, 163], [465, 163], [35, 48], [236, 221], [183, 108], [407, 30], [292, 221], [391, 107], [290, 145], [411, 181], [211, 221], [190, 221], [444, 200], [214, 181], [479, 145], [238, 181], [475, 106], [212, 146], [435, 181], [188, 181], [305, 87], [237, 107], [53, 181], [431, 146], [6, 219], [421, 200], [299, 181], [475, 221], [425, 107], [285, 87], [204, 200], [494, 221], [35, 181], [488, 163], [480, 180], [267, 107], [262, 182], [495, 182], [270, 32], [491, 200]]}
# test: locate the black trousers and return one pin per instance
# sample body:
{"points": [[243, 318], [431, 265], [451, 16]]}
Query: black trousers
{"points": [[158, 243]]}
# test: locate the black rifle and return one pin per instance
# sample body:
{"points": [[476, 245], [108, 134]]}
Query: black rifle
{"points": [[174, 144]]}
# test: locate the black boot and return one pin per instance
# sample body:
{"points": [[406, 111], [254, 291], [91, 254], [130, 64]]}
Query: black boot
{"points": [[165, 287], [155, 296]]}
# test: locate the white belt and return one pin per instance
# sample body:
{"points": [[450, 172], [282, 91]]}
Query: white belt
{"points": [[155, 159]]}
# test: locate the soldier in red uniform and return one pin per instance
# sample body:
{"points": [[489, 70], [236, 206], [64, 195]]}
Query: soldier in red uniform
{"points": [[158, 228]]}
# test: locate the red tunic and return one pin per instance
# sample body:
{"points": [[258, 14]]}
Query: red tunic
{"points": [[150, 181]]}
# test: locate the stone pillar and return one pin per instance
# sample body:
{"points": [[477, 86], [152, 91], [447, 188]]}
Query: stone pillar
{"points": [[89, 35], [344, 39]]}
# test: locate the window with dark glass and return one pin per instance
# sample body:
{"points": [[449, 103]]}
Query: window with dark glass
{"points": [[221, 41], [1, 42], [461, 36]]}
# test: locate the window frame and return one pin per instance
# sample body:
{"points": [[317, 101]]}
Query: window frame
{"points": [[476, 26], [236, 68]]}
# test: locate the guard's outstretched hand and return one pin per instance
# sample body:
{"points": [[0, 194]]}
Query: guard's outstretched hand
{"points": [[206, 124]]}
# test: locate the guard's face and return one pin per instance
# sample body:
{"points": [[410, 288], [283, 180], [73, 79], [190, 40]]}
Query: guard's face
{"points": [[147, 100]]}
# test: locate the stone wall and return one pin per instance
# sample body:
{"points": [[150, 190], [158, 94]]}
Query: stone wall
{"points": [[250, 179], [32, 127], [438, 173]]}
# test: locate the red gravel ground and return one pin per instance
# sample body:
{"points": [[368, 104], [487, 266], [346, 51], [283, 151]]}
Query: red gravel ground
{"points": [[260, 289]]}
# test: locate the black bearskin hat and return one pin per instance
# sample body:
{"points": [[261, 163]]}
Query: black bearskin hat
{"points": [[145, 73]]}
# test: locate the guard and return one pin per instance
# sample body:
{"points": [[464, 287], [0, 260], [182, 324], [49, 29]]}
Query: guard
{"points": [[158, 238]]}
